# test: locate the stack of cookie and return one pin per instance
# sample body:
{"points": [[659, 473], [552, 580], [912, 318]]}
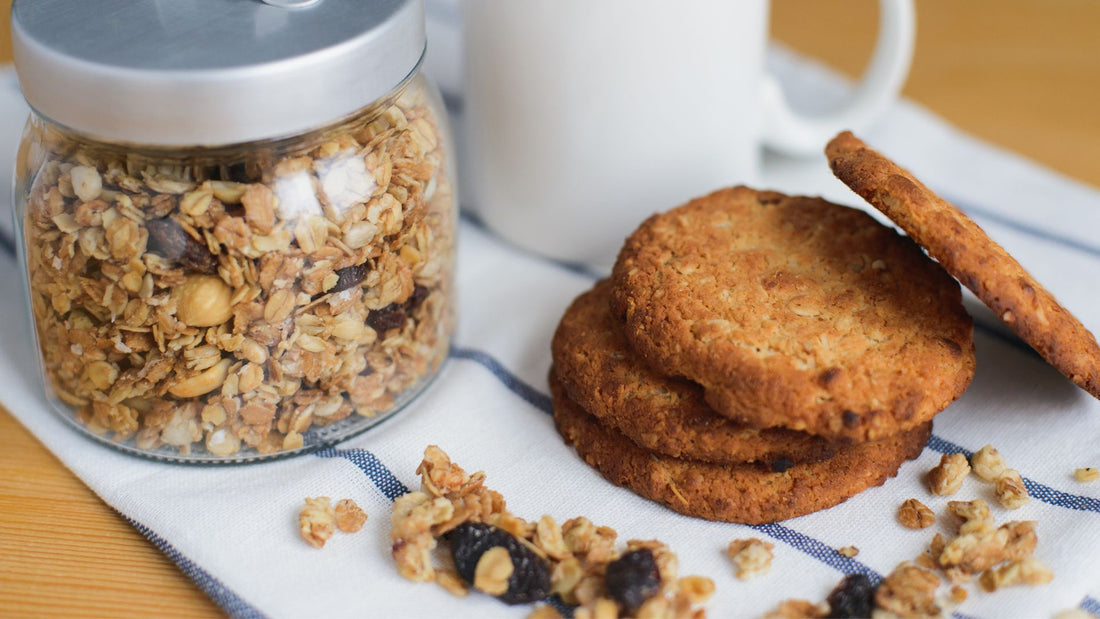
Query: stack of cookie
{"points": [[756, 356]]}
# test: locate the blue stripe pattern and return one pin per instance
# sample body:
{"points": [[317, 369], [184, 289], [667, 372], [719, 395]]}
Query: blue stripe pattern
{"points": [[1008, 222], [1035, 489], [515, 384], [372, 467], [223, 596], [1091, 606], [818, 550]]}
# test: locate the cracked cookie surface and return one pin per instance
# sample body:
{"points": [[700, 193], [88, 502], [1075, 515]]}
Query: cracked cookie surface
{"points": [[795, 312]]}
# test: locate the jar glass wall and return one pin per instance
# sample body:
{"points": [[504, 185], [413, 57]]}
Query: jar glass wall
{"points": [[235, 303]]}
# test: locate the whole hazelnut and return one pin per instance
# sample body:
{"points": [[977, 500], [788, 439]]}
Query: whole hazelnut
{"points": [[203, 301]]}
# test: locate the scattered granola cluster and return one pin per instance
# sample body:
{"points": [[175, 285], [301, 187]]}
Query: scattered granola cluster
{"points": [[997, 556], [318, 519], [501, 554], [752, 557], [181, 300]]}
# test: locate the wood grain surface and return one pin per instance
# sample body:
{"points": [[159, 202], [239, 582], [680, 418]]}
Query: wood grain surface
{"points": [[1024, 74]]}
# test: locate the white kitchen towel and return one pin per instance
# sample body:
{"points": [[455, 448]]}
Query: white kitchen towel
{"points": [[233, 530]]}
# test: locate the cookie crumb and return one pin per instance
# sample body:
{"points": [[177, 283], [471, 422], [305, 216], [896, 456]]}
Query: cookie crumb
{"points": [[848, 551], [752, 557], [317, 521], [1011, 492], [915, 515], [1087, 473], [947, 477], [958, 595], [349, 516], [988, 464], [1025, 571]]}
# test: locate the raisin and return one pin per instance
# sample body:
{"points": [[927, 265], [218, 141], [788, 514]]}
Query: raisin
{"points": [[169, 241], [350, 276], [417, 297], [390, 317], [633, 578], [853, 597], [781, 465], [530, 580]]}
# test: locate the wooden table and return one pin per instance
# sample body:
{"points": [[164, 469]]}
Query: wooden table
{"points": [[1024, 74]]}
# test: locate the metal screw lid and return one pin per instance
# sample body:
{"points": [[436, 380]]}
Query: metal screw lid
{"points": [[210, 72]]}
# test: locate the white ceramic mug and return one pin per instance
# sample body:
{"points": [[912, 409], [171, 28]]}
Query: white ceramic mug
{"points": [[583, 117]]}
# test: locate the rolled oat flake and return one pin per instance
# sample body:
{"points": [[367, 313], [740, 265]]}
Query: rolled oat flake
{"points": [[210, 72]]}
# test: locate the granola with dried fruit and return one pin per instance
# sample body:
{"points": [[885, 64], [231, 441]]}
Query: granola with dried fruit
{"points": [[504, 554], [229, 301]]}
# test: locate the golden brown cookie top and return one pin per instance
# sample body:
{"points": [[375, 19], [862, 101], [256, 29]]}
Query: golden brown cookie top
{"points": [[966, 252], [599, 371], [795, 312]]}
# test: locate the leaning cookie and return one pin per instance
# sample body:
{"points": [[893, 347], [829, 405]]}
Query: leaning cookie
{"points": [[599, 371], [966, 252], [745, 493], [795, 312]]}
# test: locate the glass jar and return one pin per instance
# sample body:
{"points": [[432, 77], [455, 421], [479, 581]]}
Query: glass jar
{"points": [[226, 280]]}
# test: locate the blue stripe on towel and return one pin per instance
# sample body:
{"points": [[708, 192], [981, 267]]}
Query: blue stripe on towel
{"points": [[372, 467], [223, 596], [1041, 492], [979, 213], [515, 384], [818, 550], [1091, 606]]}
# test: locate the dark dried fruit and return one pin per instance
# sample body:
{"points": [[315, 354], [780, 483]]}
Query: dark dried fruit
{"points": [[169, 241], [417, 297], [530, 580], [853, 597], [633, 578], [350, 276], [390, 317], [781, 465]]}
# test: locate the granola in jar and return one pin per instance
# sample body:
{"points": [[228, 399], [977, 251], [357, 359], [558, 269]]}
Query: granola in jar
{"points": [[236, 302]]}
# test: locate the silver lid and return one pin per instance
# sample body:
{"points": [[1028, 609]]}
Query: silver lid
{"points": [[210, 72]]}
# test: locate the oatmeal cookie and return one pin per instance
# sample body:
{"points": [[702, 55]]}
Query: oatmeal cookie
{"points": [[745, 493], [795, 312], [966, 252], [599, 371]]}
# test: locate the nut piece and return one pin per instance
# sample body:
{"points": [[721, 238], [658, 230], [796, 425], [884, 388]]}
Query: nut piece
{"points": [[848, 551], [798, 609], [1025, 571], [203, 301], [948, 476], [988, 464], [317, 521], [87, 183], [752, 557], [909, 591], [203, 382], [493, 570], [915, 515], [1087, 473], [1011, 491], [975, 515], [349, 516]]}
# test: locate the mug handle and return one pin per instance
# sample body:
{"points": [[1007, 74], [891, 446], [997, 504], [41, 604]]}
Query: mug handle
{"points": [[796, 134]]}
